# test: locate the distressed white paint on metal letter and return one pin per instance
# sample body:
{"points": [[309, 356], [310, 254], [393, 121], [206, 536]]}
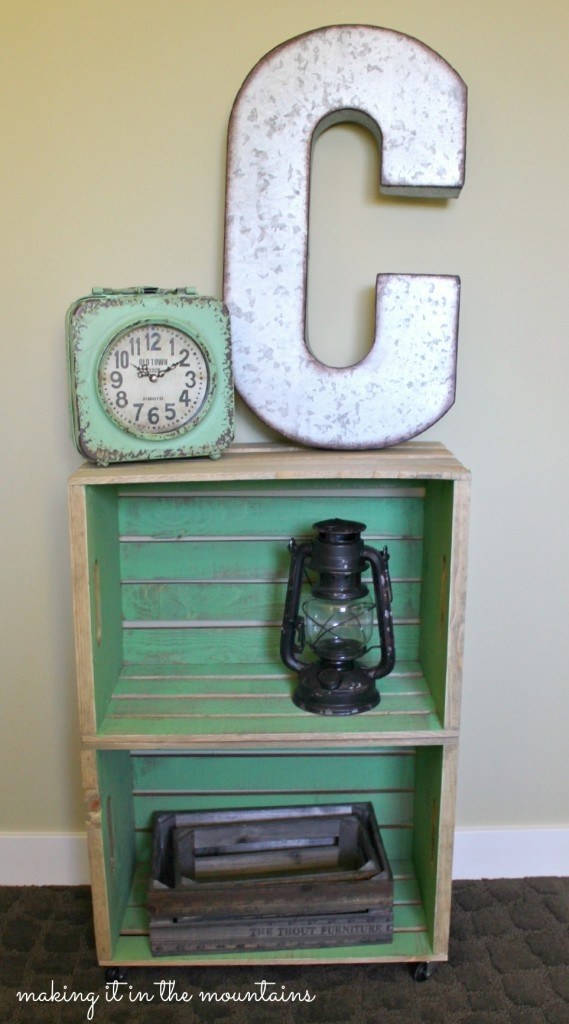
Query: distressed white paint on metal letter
{"points": [[416, 103]]}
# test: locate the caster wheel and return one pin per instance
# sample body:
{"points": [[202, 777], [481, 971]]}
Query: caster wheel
{"points": [[115, 974], [422, 972]]}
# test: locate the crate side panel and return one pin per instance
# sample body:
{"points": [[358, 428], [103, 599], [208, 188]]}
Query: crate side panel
{"points": [[104, 592], [433, 648], [426, 827], [457, 601], [433, 838], [118, 832]]}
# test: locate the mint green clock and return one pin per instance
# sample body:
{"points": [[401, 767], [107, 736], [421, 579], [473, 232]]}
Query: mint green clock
{"points": [[150, 375]]}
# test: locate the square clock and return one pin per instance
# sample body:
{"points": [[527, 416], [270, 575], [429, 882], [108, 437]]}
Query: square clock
{"points": [[150, 375]]}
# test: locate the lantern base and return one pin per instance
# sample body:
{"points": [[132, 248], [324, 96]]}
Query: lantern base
{"points": [[327, 689]]}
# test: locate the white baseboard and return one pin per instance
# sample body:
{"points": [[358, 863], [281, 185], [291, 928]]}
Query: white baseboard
{"points": [[46, 859], [511, 853], [30, 858]]}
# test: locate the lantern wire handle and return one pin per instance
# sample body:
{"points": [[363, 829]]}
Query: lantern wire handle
{"points": [[293, 625], [379, 563]]}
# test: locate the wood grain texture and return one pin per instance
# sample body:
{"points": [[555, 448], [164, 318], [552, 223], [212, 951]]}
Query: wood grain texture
{"points": [[96, 852], [457, 601], [82, 609], [414, 460]]}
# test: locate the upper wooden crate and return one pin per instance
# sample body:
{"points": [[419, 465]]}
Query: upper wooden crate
{"points": [[180, 571]]}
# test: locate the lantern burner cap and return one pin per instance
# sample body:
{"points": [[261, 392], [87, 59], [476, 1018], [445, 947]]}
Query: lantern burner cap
{"points": [[338, 531]]}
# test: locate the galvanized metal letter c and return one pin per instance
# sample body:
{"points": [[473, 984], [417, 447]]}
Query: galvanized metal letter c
{"points": [[416, 103]]}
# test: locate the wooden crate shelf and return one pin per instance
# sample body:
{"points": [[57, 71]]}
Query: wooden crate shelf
{"points": [[177, 710], [411, 789], [179, 572]]}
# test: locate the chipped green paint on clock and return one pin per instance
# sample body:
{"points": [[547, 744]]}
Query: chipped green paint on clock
{"points": [[150, 375]]}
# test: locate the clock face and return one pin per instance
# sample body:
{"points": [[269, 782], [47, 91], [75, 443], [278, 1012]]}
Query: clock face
{"points": [[155, 380]]}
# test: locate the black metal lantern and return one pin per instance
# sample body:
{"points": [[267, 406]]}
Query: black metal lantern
{"points": [[338, 620]]}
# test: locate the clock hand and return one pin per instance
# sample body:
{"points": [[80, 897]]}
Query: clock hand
{"points": [[144, 371], [162, 373]]}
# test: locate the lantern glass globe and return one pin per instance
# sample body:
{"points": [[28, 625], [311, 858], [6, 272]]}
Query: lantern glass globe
{"points": [[338, 632]]}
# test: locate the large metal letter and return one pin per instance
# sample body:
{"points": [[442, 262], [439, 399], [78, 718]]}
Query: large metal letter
{"points": [[416, 104]]}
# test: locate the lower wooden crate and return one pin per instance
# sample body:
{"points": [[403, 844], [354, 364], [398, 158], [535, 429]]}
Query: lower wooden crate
{"points": [[269, 878], [411, 789]]}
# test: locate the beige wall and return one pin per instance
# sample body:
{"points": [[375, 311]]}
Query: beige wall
{"points": [[114, 121]]}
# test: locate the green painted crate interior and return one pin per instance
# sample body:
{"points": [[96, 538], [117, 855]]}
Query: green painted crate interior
{"points": [[187, 591], [403, 784]]}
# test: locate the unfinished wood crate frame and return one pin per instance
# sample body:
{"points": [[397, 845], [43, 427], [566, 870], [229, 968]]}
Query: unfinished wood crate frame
{"points": [[179, 572]]}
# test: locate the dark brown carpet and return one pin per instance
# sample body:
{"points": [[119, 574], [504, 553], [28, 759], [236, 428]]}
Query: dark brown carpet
{"points": [[509, 964]]}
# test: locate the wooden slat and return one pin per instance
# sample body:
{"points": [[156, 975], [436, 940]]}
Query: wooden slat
{"points": [[167, 735], [257, 602], [414, 460], [223, 644], [280, 773], [207, 560], [244, 706], [410, 943], [268, 681], [242, 516], [272, 729], [231, 560], [407, 917]]}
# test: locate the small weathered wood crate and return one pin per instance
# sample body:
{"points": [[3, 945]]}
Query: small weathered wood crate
{"points": [[270, 878]]}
